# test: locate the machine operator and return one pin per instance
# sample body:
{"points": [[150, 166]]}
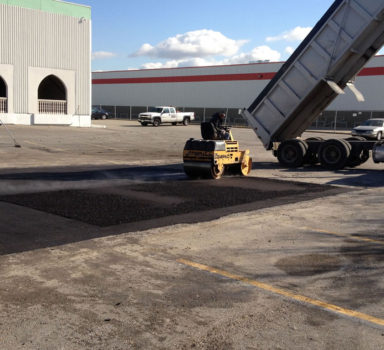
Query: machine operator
{"points": [[217, 120]]}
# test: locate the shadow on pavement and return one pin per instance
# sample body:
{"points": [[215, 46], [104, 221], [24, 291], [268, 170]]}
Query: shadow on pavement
{"points": [[362, 178], [353, 177]]}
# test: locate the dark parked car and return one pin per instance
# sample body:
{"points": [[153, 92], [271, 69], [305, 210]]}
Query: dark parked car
{"points": [[99, 113]]}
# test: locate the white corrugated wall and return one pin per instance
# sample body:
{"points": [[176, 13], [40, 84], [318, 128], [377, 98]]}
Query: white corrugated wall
{"points": [[33, 38], [226, 94]]}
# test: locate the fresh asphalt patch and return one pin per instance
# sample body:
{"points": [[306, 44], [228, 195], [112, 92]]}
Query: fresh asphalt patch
{"points": [[164, 199], [110, 206]]}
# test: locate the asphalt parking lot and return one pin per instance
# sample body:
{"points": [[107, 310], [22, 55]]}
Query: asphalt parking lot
{"points": [[105, 244]]}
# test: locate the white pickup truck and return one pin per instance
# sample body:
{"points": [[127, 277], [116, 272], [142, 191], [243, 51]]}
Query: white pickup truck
{"points": [[165, 114]]}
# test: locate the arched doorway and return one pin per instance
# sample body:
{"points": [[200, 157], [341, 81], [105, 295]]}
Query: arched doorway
{"points": [[52, 96], [3, 96]]}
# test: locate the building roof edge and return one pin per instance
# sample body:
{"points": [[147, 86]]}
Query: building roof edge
{"points": [[53, 6]]}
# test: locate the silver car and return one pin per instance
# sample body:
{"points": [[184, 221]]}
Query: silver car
{"points": [[370, 129]]}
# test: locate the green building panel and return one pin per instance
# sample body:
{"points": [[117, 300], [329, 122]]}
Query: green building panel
{"points": [[53, 6]]}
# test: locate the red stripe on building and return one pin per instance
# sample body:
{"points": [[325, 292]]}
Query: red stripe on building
{"points": [[186, 78], [214, 77], [371, 71]]}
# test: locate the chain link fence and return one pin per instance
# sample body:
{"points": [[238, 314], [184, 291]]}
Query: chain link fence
{"points": [[327, 120]]}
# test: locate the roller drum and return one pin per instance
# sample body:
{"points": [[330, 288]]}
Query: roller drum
{"points": [[197, 169]]}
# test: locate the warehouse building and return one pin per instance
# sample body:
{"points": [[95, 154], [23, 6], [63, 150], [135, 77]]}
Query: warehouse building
{"points": [[45, 55], [205, 90]]}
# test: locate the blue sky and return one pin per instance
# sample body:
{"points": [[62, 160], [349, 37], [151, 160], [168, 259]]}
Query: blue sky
{"points": [[137, 34]]}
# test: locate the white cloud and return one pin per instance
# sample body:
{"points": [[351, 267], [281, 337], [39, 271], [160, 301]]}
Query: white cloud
{"points": [[258, 53], [193, 62], [99, 55], [156, 65], [202, 48], [289, 50], [296, 34], [198, 43]]}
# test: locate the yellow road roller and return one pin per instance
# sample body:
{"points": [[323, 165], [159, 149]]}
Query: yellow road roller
{"points": [[211, 157]]}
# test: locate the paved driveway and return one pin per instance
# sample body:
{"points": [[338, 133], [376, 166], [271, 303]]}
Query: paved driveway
{"points": [[107, 245]]}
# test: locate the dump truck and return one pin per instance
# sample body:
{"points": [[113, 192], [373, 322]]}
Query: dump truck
{"points": [[324, 64]]}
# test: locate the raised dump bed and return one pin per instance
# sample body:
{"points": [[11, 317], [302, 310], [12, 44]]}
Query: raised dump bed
{"points": [[340, 44]]}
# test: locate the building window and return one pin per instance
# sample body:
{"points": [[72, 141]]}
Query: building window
{"points": [[52, 96], [3, 96]]}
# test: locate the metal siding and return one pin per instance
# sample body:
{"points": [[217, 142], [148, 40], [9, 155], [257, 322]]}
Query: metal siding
{"points": [[33, 38], [208, 94], [190, 71], [226, 94]]}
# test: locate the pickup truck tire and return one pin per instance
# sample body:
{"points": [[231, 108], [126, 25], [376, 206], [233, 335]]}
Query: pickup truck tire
{"points": [[333, 154], [291, 153], [186, 121], [156, 122]]}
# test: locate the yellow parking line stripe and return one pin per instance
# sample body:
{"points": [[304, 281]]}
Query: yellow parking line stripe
{"points": [[358, 238], [321, 304]]}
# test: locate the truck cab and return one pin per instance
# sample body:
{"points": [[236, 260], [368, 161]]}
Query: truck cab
{"points": [[168, 115]]}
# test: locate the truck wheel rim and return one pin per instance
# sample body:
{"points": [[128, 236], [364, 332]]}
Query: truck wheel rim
{"points": [[290, 154], [332, 154]]}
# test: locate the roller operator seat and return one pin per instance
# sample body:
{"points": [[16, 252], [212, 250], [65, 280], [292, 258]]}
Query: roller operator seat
{"points": [[208, 131]]}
